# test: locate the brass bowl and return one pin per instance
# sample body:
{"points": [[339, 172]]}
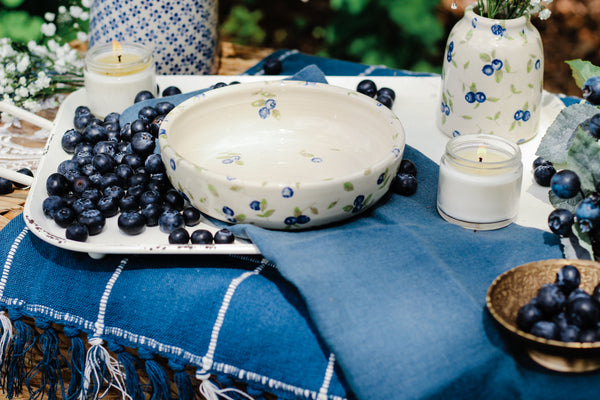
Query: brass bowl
{"points": [[514, 288]]}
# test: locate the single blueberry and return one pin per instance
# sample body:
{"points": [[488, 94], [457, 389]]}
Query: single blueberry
{"points": [[404, 184], [77, 232], [302, 219], [201, 236], [179, 236], [565, 184], [480, 97], [387, 92], [583, 312], [543, 174], [568, 278], [142, 143], [591, 90], [57, 184], [143, 95], [171, 91], [170, 220], [151, 213], [526, 115], [24, 171], [148, 113], [51, 204], [95, 133], [264, 112], [272, 66], [287, 192], [594, 126], [528, 315], [70, 139], [385, 100], [290, 221], [131, 222], [164, 107], [545, 329], [191, 216], [173, 199], [550, 299], [6, 186], [367, 87], [407, 167], [108, 206], [154, 164], [270, 104], [569, 333], [64, 217], [518, 115], [560, 222], [129, 203], [587, 215], [93, 220], [223, 236], [470, 97]]}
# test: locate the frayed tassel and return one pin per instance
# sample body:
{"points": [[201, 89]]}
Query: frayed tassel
{"points": [[100, 367], [48, 367], [14, 368], [76, 362], [129, 363], [7, 334], [183, 382], [159, 380], [210, 391]]}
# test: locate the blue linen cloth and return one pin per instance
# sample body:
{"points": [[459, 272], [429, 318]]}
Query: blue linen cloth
{"points": [[391, 303]]}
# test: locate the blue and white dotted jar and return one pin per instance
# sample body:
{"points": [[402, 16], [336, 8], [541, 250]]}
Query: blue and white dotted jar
{"points": [[183, 34], [492, 78]]}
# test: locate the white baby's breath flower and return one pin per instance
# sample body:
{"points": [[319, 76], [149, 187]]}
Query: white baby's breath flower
{"points": [[75, 11], [49, 16], [544, 14], [10, 68], [32, 105], [48, 29], [23, 63], [62, 10], [84, 16], [86, 3], [82, 36], [22, 92]]}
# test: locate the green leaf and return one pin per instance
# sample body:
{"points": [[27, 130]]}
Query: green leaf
{"points": [[258, 103], [263, 204], [582, 71], [240, 217], [266, 214], [584, 159], [314, 210], [276, 114], [297, 212], [213, 190], [348, 186], [567, 204], [235, 188], [557, 140], [333, 204], [485, 57], [513, 89], [347, 208]]}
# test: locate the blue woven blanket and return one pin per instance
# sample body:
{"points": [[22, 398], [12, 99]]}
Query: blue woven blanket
{"points": [[387, 306]]}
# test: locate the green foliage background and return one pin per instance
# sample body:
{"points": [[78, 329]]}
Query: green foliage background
{"points": [[398, 33]]}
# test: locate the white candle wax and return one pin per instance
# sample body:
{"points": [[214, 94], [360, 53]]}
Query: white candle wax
{"points": [[113, 77], [480, 190]]}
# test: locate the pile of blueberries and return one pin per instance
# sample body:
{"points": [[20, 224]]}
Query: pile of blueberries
{"points": [[114, 172], [566, 184], [562, 310]]}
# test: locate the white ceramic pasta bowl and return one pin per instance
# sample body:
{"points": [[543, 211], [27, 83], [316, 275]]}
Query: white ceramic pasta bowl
{"points": [[282, 154]]}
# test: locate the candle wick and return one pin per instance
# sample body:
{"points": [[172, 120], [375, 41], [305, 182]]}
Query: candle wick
{"points": [[119, 57], [480, 159]]}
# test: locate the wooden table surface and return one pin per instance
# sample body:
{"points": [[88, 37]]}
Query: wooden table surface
{"points": [[234, 59]]}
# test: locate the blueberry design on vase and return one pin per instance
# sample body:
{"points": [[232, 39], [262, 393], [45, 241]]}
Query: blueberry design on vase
{"points": [[492, 78]]}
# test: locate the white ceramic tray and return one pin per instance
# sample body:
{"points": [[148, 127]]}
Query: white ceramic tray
{"points": [[416, 105]]}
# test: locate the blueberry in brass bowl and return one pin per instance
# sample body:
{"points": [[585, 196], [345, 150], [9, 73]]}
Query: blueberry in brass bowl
{"points": [[534, 283], [281, 154]]}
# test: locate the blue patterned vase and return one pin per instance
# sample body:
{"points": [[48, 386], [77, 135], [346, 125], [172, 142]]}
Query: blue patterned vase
{"points": [[182, 33], [492, 78]]}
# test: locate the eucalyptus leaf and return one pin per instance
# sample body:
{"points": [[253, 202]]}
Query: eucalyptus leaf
{"points": [[557, 140], [582, 70], [567, 204], [584, 159]]}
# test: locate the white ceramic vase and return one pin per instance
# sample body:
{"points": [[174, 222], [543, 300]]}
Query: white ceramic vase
{"points": [[492, 78]]}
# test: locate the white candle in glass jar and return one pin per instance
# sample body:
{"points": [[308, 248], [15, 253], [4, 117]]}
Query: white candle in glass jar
{"points": [[115, 73], [480, 182]]}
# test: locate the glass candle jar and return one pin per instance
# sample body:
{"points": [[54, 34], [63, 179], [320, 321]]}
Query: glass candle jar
{"points": [[480, 182], [115, 73]]}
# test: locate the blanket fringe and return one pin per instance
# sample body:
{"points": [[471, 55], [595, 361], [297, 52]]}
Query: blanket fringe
{"points": [[159, 381], [101, 367], [7, 335], [183, 382], [76, 362], [129, 363], [14, 372], [48, 367], [211, 391]]}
